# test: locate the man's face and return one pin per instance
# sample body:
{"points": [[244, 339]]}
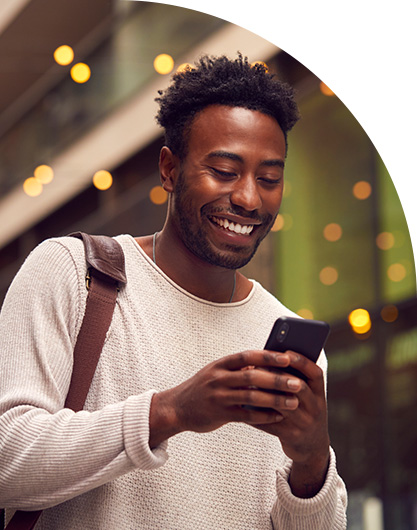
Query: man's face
{"points": [[229, 189]]}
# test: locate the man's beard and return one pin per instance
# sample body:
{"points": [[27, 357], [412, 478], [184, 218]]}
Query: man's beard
{"points": [[196, 241]]}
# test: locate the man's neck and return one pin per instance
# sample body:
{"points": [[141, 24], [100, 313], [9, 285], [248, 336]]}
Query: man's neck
{"points": [[206, 281]]}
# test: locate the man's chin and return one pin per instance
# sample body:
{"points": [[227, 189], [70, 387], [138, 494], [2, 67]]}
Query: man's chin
{"points": [[232, 259]]}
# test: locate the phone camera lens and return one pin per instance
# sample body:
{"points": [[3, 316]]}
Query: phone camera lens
{"points": [[282, 332]]}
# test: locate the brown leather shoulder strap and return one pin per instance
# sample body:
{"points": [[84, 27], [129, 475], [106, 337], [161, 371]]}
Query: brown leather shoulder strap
{"points": [[106, 271]]}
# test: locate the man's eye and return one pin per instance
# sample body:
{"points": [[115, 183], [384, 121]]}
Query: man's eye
{"points": [[270, 180], [224, 174]]}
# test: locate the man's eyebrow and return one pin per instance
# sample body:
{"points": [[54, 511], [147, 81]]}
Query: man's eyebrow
{"points": [[273, 162], [225, 154]]}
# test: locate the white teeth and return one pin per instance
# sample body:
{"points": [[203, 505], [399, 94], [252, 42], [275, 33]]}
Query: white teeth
{"points": [[233, 227]]}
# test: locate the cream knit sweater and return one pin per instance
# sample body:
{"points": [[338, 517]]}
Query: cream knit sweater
{"points": [[96, 464]]}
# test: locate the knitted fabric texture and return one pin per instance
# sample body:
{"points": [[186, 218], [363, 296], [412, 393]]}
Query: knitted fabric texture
{"points": [[94, 469]]}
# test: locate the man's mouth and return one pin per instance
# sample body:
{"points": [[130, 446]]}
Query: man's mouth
{"points": [[237, 228]]}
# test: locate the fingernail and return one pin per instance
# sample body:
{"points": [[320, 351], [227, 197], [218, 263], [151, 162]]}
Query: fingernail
{"points": [[291, 403], [294, 384], [282, 360]]}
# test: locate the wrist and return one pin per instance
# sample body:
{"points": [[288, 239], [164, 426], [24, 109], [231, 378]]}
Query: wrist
{"points": [[162, 419], [307, 478]]}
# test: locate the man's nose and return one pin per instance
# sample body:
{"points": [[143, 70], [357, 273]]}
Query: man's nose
{"points": [[245, 193]]}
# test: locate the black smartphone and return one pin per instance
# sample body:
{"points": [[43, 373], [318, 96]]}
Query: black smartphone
{"points": [[304, 336], [307, 337]]}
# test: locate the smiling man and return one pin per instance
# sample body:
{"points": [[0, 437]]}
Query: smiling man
{"points": [[183, 372]]}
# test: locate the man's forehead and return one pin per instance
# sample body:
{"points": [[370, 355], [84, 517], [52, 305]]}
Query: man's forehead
{"points": [[219, 127]]}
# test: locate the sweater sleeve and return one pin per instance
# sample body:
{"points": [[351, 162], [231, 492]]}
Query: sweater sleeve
{"points": [[324, 511], [51, 454]]}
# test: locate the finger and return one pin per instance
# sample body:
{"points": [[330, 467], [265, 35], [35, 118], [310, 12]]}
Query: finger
{"points": [[277, 380], [258, 399], [305, 366], [257, 416], [248, 358]]}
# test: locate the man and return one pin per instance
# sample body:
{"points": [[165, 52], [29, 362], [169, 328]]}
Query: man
{"points": [[184, 354]]}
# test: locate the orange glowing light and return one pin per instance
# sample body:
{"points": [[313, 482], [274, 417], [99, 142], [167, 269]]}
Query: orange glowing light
{"points": [[102, 180], [360, 321], [362, 190], [328, 275], [80, 73], [262, 63], [158, 195], [184, 67], [305, 313], [389, 313], [326, 90], [163, 63], [44, 174], [332, 232], [32, 187], [64, 55], [396, 272], [385, 240]]}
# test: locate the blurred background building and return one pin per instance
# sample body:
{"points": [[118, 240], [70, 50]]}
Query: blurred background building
{"points": [[78, 151]]}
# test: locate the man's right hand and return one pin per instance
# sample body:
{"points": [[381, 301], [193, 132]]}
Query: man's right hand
{"points": [[217, 393]]}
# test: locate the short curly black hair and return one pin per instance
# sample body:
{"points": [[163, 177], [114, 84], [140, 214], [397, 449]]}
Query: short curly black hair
{"points": [[222, 81]]}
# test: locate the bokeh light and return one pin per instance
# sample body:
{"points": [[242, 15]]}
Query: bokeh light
{"points": [[324, 89], [282, 222], [396, 272], [278, 224], [287, 189], [360, 321], [328, 275], [64, 55], [385, 240], [254, 63], [389, 313], [44, 174], [305, 313], [32, 187], [158, 195], [332, 232], [102, 180], [163, 63], [80, 73], [184, 67], [362, 190]]}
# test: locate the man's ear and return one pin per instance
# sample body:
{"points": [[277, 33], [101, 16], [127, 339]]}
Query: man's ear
{"points": [[168, 168]]}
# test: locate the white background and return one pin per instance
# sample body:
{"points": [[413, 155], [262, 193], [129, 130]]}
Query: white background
{"points": [[365, 51]]}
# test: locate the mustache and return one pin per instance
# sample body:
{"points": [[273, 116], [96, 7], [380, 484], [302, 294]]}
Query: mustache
{"points": [[241, 212]]}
